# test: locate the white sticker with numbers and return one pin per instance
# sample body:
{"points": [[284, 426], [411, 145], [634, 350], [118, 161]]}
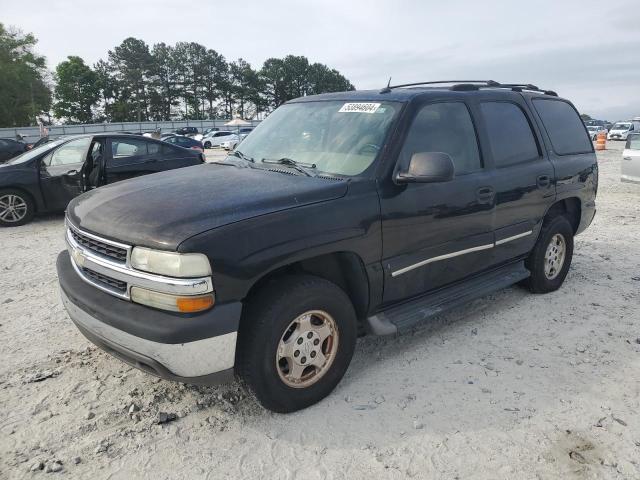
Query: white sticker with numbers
{"points": [[359, 107]]}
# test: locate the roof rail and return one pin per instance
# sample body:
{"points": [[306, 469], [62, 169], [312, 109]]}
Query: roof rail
{"points": [[388, 88], [466, 85]]}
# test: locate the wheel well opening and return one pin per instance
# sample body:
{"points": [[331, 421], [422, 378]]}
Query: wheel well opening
{"points": [[345, 269], [570, 208]]}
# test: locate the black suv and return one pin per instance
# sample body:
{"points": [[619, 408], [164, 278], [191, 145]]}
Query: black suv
{"points": [[47, 177], [340, 214]]}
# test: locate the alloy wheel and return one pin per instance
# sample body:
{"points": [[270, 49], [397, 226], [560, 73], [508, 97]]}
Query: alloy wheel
{"points": [[307, 349], [554, 256], [13, 208]]}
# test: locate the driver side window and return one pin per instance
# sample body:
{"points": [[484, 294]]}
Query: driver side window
{"points": [[444, 127], [70, 153]]}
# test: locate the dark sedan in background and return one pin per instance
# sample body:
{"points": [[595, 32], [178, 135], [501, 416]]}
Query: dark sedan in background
{"points": [[185, 142], [10, 148], [47, 177]]}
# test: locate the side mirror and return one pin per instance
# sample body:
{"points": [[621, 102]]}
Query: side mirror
{"points": [[427, 167]]}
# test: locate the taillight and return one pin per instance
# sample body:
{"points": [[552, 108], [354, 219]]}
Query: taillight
{"points": [[195, 147]]}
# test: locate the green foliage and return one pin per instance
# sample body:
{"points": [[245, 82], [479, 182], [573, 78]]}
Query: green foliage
{"points": [[139, 83], [24, 93], [76, 92]]}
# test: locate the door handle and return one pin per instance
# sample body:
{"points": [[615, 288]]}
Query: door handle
{"points": [[485, 194], [626, 158], [543, 181], [72, 172]]}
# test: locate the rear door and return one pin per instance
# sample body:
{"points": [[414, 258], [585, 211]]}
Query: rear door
{"points": [[523, 176], [61, 173], [631, 159], [434, 234], [130, 157]]}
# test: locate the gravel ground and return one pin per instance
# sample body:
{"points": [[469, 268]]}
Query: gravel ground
{"points": [[511, 386]]}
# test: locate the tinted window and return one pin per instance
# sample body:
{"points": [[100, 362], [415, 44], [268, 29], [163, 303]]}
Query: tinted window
{"points": [[444, 127], [70, 153], [154, 148], [125, 147], [510, 135], [564, 127]]}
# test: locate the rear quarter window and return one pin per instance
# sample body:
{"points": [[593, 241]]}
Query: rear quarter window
{"points": [[564, 127]]}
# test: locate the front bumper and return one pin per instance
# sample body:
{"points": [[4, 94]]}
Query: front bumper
{"points": [[198, 349]]}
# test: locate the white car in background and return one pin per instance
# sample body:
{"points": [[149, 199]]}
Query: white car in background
{"points": [[215, 138], [621, 130], [594, 130], [200, 136], [630, 169]]}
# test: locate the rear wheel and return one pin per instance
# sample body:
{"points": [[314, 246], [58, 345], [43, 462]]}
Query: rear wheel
{"points": [[296, 342], [207, 144], [16, 208], [550, 259]]}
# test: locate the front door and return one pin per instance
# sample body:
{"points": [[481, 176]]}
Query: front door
{"points": [[434, 234], [61, 173]]}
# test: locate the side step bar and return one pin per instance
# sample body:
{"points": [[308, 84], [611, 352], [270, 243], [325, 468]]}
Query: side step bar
{"points": [[407, 315]]}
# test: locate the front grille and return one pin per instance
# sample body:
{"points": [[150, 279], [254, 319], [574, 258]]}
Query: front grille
{"points": [[105, 249], [118, 285]]}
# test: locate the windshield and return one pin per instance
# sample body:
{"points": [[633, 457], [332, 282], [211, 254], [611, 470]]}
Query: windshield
{"points": [[33, 153], [341, 138], [621, 126]]}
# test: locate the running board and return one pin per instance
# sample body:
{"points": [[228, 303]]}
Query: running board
{"points": [[403, 317]]}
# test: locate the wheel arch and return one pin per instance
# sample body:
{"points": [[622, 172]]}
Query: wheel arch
{"points": [[570, 207], [344, 268]]}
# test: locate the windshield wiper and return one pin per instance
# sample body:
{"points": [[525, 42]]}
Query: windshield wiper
{"points": [[239, 154], [298, 166]]}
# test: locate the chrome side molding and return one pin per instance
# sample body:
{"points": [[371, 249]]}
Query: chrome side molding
{"points": [[459, 252]]}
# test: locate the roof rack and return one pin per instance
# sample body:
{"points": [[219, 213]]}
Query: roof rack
{"points": [[466, 85]]}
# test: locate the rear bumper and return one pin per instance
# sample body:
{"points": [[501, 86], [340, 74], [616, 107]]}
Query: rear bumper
{"points": [[199, 349]]}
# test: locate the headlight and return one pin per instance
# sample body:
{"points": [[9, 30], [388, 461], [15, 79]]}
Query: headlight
{"points": [[171, 264]]}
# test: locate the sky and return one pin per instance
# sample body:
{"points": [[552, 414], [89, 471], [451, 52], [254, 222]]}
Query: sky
{"points": [[588, 51]]}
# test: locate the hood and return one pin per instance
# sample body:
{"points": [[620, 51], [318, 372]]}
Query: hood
{"points": [[164, 209]]}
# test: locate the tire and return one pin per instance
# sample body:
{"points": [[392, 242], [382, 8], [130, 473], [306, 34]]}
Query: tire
{"points": [[267, 322], [549, 264], [16, 208], [207, 145]]}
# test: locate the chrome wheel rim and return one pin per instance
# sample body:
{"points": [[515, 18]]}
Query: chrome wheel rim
{"points": [[554, 256], [13, 208], [307, 349]]}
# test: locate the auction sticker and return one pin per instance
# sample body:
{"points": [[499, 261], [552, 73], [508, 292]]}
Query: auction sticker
{"points": [[359, 107]]}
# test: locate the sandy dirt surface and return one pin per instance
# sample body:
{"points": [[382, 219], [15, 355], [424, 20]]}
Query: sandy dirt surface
{"points": [[511, 386]]}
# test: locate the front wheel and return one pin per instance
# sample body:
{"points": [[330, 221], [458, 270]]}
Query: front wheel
{"points": [[296, 342], [16, 208], [550, 259], [207, 144]]}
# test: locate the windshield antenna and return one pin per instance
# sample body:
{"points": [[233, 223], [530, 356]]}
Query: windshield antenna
{"points": [[387, 89]]}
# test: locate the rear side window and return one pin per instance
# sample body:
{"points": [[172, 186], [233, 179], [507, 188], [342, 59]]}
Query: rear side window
{"points": [[128, 147], [564, 127], [444, 127], [510, 134]]}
